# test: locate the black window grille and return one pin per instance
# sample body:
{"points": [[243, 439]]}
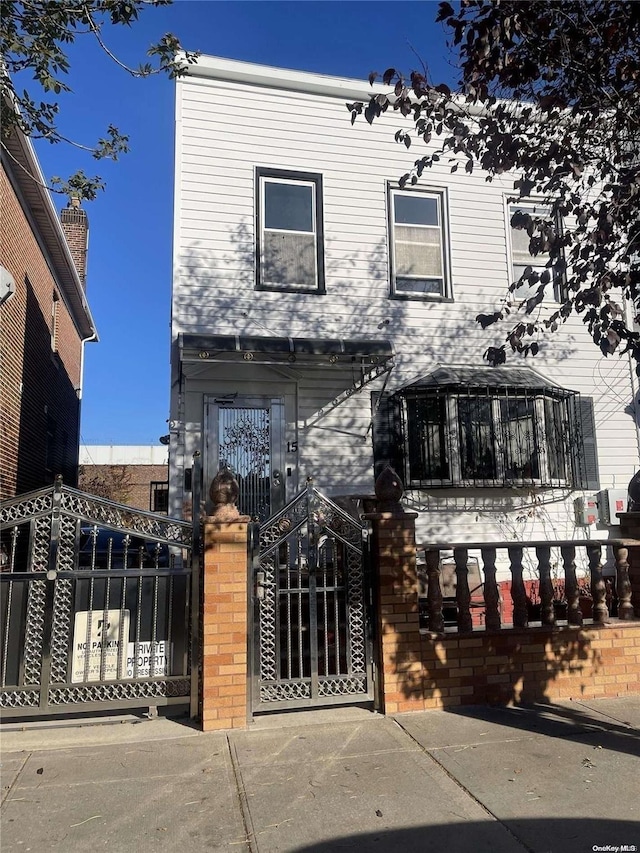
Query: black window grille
{"points": [[492, 435]]}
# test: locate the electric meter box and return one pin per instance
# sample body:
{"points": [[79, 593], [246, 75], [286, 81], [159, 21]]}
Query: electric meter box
{"points": [[586, 510], [613, 501]]}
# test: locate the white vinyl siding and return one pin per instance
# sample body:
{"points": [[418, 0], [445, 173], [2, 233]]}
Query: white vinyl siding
{"points": [[220, 145]]}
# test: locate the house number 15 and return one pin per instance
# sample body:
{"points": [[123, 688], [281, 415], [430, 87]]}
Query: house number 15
{"points": [[292, 447]]}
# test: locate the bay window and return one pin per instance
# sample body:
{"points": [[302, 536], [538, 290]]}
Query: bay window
{"points": [[476, 427]]}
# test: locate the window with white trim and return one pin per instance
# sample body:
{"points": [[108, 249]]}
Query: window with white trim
{"points": [[289, 227], [419, 243], [536, 269]]}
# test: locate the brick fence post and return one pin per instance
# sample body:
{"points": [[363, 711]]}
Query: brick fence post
{"points": [[400, 685], [223, 690]]}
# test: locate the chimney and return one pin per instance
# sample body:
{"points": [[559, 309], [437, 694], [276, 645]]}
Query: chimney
{"points": [[76, 229]]}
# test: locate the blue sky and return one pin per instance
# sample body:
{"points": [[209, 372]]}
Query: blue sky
{"points": [[126, 381]]}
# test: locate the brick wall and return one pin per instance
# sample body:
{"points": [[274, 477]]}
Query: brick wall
{"points": [[420, 671], [513, 666], [39, 417], [398, 626], [139, 478], [416, 671]]}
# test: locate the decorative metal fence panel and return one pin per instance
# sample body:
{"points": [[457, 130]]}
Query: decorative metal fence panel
{"points": [[311, 643], [95, 603]]}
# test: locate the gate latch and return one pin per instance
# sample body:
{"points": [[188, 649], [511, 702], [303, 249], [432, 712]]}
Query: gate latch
{"points": [[260, 584]]}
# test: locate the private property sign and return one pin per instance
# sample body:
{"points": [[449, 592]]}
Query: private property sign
{"points": [[148, 660], [102, 651], [99, 645]]}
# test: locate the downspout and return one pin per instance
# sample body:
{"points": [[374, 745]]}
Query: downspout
{"points": [[92, 337]]}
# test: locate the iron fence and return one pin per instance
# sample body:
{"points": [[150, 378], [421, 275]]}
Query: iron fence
{"points": [[95, 599]]}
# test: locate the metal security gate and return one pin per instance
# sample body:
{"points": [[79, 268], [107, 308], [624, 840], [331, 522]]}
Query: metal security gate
{"points": [[311, 643], [95, 602]]}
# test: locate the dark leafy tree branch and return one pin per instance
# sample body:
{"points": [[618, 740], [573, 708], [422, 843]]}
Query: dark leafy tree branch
{"points": [[34, 37], [551, 93], [113, 482]]}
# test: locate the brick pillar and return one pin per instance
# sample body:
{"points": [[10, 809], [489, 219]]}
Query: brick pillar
{"points": [[224, 625], [394, 558], [630, 529]]}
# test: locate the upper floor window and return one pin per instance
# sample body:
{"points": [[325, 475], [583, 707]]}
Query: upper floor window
{"points": [[419, 244], [290, 252], [535, 268]]}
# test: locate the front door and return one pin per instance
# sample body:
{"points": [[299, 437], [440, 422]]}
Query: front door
{"points": [[246, 435]]}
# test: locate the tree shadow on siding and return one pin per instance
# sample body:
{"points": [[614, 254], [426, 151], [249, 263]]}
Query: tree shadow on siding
{"points": [[221, 298]]}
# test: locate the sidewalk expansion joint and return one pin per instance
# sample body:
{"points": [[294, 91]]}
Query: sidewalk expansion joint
{"points": [[5, 794], [462, 787], [617, 720], [247, 822]]}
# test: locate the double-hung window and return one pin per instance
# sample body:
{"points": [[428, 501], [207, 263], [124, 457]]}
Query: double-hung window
{"points": [[290, 253], [486, 438], [533, 269], [419, 243], [451, 429]]}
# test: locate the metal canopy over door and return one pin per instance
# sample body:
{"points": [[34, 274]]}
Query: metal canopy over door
{"points": [[311, 644], [246, 434]]}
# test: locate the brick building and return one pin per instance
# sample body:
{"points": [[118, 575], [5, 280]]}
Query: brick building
{"points": [[132, 474], [45, 321]]}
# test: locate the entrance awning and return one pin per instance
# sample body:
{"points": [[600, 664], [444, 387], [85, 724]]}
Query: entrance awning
{"points": [[358, 362], [310, 352]]}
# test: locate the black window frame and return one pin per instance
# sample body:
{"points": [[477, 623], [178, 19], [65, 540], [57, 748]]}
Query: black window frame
{"points": [[289, 176], [441, 194], [159, 496], [563, 437]]}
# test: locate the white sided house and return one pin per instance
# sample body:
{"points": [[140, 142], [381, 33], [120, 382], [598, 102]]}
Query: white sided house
{"points": [[323, 324]]}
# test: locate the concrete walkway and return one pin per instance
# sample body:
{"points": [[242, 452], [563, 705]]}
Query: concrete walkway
{"points": [[564, 778]]}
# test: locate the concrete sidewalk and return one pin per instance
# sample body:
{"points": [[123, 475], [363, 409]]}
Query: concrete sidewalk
{"points": [[564, 778]]}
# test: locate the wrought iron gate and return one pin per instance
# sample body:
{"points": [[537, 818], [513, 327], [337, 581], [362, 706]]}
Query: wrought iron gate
{"points": [[311, 642], [95, 600]]}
